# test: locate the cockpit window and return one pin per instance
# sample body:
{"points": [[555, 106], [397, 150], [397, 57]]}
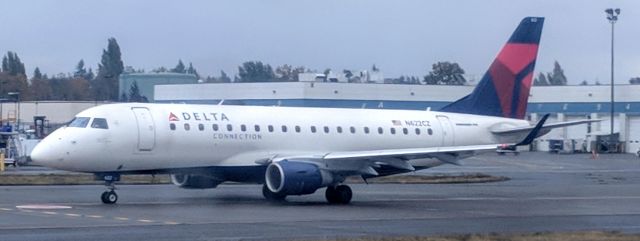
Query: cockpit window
{"points": [[100, 123], [80, 122]]}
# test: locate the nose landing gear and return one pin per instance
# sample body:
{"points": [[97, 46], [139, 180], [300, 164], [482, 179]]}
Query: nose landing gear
{"points": [[109, 196]]}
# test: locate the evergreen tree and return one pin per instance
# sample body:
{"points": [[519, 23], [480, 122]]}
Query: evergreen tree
{"points": [[634, 81], [105, 85], [80, 70], [541, 80], [179, 68], [224, 78], [37, 74], [557, 76], [192, 70], [12, 65], [134, 93]]}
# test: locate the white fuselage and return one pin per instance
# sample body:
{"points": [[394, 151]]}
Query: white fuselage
{"points": [[170, 136]]}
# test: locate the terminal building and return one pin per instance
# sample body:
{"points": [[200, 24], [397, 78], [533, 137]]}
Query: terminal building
{"points": [[565, 103]]}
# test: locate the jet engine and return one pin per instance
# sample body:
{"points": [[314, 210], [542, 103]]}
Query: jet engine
{"points": [[295, 178], [194, 181]]}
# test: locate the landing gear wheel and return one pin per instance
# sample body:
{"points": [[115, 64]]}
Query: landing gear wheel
{"points": [[109, 197], [340, 194], [271, 196]]}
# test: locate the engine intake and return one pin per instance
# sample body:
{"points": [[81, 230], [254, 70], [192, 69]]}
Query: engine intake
{"points": [[194, 181], [295, 178]]}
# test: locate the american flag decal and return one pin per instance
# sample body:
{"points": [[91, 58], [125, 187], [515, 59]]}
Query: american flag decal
{"points": [[173, 117], [396, 122]]}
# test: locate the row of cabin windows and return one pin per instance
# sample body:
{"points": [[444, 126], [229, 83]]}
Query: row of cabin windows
{"points": [[313, 129]]}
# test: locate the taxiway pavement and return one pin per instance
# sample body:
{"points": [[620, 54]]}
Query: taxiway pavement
{"points": [[546, 193]]}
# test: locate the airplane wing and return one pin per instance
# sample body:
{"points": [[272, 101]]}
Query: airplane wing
{"points": [[369, 162]]}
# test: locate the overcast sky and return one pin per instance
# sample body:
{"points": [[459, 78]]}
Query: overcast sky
{"points": [[400, 37]]}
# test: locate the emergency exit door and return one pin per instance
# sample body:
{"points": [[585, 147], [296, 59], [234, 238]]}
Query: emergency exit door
{"points": [[146, 129]]}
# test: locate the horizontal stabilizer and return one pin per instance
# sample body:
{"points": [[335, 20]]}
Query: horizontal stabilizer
{"points": [[545, 128]]}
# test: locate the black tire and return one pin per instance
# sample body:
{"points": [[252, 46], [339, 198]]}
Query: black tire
{"points": [[340, 194], [331, 194], [271, 196], [109, 197]]}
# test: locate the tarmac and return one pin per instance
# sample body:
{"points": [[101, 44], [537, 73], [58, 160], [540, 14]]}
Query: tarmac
{"points": [[547, 192]]}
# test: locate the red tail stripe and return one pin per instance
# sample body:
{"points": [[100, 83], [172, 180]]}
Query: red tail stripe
{"points": [[517, 56]]}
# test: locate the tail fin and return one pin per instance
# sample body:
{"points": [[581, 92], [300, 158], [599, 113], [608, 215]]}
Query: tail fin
{"points": [[504, 88]]}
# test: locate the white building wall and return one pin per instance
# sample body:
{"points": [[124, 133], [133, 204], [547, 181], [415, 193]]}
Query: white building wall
{"points": [[56, 111]]}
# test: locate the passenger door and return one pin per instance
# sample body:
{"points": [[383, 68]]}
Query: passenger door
{"points": [[146, 129], [447, 130]]}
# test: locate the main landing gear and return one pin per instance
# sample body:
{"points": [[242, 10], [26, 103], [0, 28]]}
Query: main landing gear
{"points": [[109, 196], [340, 194]]}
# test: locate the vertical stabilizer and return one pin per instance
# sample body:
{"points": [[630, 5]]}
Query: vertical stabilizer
{"points": [[504, 88]]}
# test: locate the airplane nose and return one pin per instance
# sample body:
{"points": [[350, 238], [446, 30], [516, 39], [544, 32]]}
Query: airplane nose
{"points": [[43, 154]]}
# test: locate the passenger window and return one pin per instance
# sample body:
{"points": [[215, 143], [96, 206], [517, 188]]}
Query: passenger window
{"points": [[393, 131], [380, 130], [99, 123], [326, 129], [405, 131], [172, 126], [257, 128], [201, 127], [215, 127], [80, 122], [339, 129], [353, 129], [366, 130], [429, 131], [270, 127], [297, 128], [313, 129], [229, 127], [186, 126], [417, 131], [284, 128], [243, 128]]}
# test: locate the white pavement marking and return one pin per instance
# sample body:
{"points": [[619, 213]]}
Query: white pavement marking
{"points": [[6, 209], [121, 218], [50, 213], [95, 216], [72, 214], [42, 206], [145, 220], [171, 223]]}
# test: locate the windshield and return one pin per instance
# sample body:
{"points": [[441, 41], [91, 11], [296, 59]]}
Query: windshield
{"points": [[80, 122], [100, 123]]}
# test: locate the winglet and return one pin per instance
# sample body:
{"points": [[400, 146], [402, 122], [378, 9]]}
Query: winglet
{"points": [[534, 133]]}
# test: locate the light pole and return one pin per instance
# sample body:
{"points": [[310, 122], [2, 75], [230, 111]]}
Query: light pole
{"points": [[612, 16]]}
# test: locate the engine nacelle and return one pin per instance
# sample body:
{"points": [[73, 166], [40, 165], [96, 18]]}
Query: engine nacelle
{"points": [[194, 181], [295, 178]]}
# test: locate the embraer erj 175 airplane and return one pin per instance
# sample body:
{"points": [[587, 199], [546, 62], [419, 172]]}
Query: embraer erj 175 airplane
{"points": [[296, 151]]}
